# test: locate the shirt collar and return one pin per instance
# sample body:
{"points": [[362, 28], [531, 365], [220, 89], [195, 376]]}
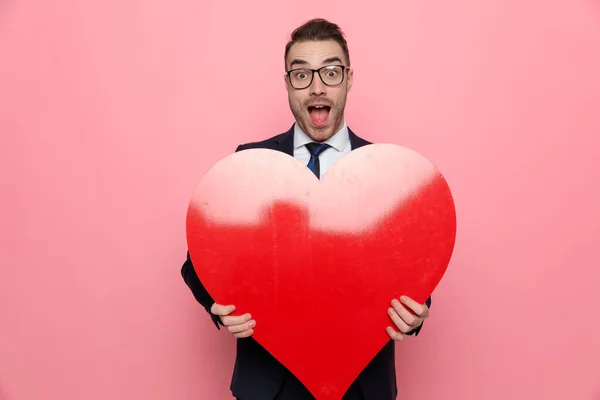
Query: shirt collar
{"points": [[338, 141]]}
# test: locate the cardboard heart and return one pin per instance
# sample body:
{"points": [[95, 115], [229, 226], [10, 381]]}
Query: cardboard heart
{"points": [[317, 263]]}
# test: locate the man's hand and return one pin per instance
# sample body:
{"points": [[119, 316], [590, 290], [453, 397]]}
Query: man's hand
{"points": [[404, 320], [241, 326]]}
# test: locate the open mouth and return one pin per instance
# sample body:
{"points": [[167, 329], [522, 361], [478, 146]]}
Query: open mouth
{"points": [[319, 114]]}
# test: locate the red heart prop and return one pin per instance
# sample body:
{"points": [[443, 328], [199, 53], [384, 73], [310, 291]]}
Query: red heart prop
{"points": [[317, 263]]}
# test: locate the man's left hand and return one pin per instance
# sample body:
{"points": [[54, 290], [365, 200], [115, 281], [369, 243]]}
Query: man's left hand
{"points": [[404, 320]]}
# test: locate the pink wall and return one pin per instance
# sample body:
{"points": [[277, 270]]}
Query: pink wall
{"points": [[110, 111]]}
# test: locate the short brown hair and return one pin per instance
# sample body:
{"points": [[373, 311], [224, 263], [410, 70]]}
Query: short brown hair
{"points": [[318, 29]]}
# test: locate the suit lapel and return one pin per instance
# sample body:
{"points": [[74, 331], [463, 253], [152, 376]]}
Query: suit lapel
{"points": [[356, 141], [285, 142]]}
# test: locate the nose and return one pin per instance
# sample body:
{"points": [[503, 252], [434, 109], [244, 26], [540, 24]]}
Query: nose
{"points": [[317, 87]]}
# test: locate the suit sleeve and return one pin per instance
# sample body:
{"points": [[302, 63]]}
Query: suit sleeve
{"points": [[418, 329], [197, 288]]}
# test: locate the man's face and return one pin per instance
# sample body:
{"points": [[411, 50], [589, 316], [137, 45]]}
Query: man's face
{"points": [[320, 123]]}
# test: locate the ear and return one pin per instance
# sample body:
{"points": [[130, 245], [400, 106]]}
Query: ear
{"points": [[350, 79], [286, 82]]}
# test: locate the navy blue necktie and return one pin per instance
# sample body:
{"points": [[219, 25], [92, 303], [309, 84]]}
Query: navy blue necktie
{"points": [[315, 149]]}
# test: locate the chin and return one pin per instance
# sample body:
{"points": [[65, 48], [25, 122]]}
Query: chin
{"points": [[320, 134]]}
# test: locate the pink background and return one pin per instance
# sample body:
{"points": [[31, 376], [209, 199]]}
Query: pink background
{"points": [[110, 112]]}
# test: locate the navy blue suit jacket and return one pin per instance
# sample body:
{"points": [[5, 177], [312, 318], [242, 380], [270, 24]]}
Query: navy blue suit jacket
{"points": [[257, 374]]}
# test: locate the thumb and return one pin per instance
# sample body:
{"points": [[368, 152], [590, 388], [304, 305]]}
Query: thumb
{"points": [[219, 309]]}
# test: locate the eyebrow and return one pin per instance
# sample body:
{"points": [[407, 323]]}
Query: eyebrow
{"points": [[297, 61], [326, 61], [332, 60]]}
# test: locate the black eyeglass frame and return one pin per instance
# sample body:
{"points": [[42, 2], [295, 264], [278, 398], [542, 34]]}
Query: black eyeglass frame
{"points": [[318, 71]]}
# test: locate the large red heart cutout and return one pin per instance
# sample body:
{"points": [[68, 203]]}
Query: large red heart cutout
{"points": [[317, 263]]}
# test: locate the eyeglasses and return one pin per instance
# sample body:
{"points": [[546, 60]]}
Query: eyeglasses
{"points": [[331, 75]]}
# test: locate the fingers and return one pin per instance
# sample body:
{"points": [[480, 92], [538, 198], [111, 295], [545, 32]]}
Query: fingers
{"points": [[230, 320], [407, 317], [224, 311], [241, 326], [420, 309], [404, 320], [244, 330], [244, 334], [236, 323], [400, 323], [397, 336]]}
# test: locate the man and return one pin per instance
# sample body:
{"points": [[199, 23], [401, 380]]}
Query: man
{"points": [[318, 78]]}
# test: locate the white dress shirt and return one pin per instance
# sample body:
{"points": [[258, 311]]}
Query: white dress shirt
{"points": [[339, 145]]}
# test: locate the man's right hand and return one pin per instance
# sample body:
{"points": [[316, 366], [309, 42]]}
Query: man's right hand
{"points": [[241, 326]]}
